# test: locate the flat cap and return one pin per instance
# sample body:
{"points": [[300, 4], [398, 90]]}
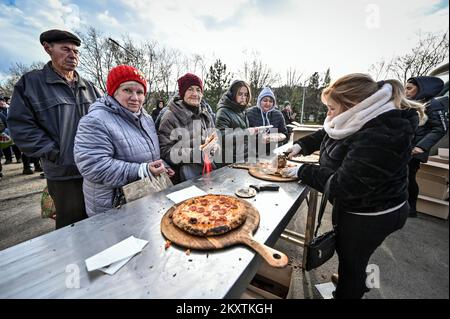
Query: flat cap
{"points": [[59, 35]]}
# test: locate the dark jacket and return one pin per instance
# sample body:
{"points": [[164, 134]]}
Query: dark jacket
{"points": [[155, 113], [3, 117], [275, 117], [231, 115], [43, 119], [370, 166], [436, 126], [180, 116]]}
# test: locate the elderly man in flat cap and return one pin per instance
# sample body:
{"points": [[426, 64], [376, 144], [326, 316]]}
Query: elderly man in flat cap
{"points": [[46, 107]]}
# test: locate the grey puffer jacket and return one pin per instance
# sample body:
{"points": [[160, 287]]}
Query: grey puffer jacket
{"points": [[110, 144]]}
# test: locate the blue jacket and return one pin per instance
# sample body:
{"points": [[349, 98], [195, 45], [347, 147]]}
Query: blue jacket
{"points": [[110, 144]]}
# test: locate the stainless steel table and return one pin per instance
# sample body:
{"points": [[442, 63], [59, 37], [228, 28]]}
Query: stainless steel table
{"points": [[45, 267]]}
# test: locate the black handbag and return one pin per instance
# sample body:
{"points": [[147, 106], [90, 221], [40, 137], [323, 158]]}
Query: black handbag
{"points": [[321, 248]]}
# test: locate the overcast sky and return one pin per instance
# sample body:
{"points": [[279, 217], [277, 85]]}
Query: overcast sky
{"points": [[309, 35]]}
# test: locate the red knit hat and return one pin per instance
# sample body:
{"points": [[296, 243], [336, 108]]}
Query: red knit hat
{"points": [[124, 73], [188, 80]]}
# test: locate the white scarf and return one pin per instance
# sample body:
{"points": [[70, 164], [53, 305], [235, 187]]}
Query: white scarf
{"points": [[351, 121]]}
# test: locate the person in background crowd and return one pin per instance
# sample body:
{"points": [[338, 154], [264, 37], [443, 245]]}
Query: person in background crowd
{"points": [[188, 111], [423, 89], [8, 151], [157, 109], [116, 142], [288, 115], [46, 107], [365, 147], [231, 114], [264, 114]]}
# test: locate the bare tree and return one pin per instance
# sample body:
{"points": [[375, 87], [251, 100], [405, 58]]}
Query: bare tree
{"points": [[430, 51], [293, 77], [258, 75], [14, 73], [98, 56], [291, 90]]}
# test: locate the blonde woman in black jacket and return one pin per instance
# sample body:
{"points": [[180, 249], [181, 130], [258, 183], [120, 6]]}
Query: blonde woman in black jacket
{"points": [[365, 146]]}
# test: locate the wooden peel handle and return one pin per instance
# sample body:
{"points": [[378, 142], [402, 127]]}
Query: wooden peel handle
{"points": [[273, 257]]}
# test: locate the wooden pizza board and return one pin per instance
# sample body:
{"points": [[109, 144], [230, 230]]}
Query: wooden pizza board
{"points": [[312, 158], [241, 235], [306, 159], [258, 173]]}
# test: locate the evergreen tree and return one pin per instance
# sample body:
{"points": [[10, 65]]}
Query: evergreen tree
{"points": [[326, 79], [217, 82]]}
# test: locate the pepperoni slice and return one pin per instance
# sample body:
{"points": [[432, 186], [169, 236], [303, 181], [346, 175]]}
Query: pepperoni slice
{"points": [[193, 208], [206, 213], [200, 209], [234, 206], [222, 212], [216, 207], [222, 200], [204, 202]]}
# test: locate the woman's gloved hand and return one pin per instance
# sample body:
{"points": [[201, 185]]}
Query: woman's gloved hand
{"points": [[290, 171], [294, 150]]}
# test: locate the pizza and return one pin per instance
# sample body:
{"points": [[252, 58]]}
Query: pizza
{"points": [[313, 158], [281, 161], [210, 139], [209, 215], [275, 169], [274, 137]]}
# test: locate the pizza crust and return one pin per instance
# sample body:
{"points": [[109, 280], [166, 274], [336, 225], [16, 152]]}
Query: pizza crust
{"points": [[209, 215]]}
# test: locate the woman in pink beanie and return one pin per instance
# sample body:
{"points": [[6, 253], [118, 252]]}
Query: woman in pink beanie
{"points": [[116, 142], [185, 126]]}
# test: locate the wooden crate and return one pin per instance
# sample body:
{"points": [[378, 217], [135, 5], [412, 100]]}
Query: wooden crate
{"points": [[432, 185], [432, 206], [269, 283]]}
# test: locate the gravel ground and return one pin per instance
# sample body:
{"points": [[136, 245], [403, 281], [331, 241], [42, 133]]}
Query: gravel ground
{"points": [[20, 210]]}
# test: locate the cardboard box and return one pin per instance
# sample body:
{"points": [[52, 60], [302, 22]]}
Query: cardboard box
{"points": [[434, 168], [438, 159], [432, 185], [432, 206], [443, 152], [269, 283], [302, 131]]}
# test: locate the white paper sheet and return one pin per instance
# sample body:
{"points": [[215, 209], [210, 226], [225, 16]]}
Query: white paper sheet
{"points": [[113, 258], [326, 290], [185, 193]]}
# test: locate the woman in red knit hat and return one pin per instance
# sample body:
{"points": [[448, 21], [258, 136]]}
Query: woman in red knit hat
{"points": [[185, 126], [116, 142]]}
